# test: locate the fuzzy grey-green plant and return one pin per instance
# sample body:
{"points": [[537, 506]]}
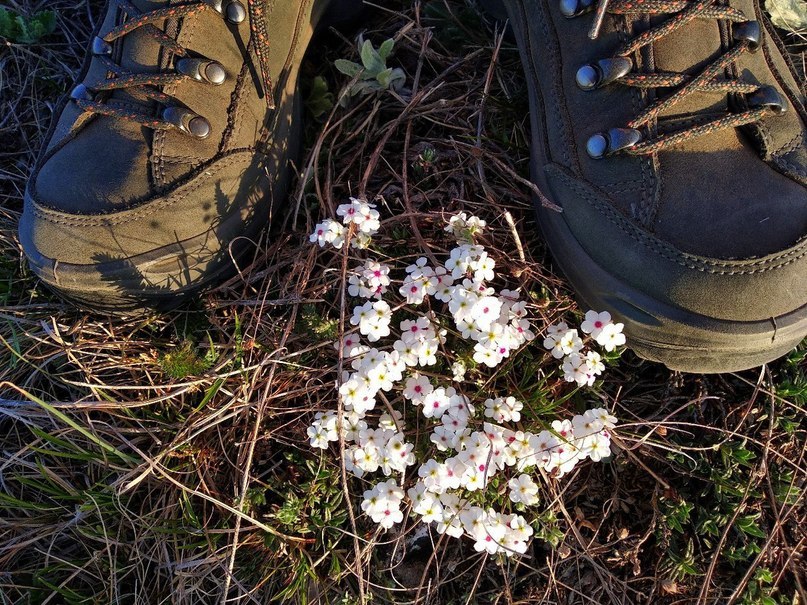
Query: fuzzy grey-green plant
{"points": [[373, 73]]}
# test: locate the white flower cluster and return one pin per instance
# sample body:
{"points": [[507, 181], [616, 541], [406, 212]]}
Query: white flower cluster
{"points": [[582, 366], [480, 455], [358, 212], [474, 450], [464, 228], [383, 503], [369, 281]]}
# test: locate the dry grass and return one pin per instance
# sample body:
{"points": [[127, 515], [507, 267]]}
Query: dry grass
{"points": [[163, 459]]}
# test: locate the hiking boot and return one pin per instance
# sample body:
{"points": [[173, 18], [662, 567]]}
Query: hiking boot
{"points": [[172, 150], [672, 135]]}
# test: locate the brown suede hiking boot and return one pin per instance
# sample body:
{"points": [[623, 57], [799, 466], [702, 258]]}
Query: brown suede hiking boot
{"points": [[674, 140], [172, 149]]}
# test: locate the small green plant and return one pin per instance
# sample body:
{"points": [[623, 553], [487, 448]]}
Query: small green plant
{"points": [[319, 100], [26, 30], [186, 361], [759, 591], [424, 163], [314, 324], [373, 73]]}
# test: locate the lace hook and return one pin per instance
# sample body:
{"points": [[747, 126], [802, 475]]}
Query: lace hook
{"points": [[602, 6]]}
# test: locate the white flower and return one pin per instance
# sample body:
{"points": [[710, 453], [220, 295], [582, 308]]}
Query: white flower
{"points": [[361, 313], [458, 370], [319, 236], [608, 421], [611, 337], [361, 241], [595, 322], [595, 364], [357, 395], [408, 353], [443, 283], [370, 280], [414, 289], [586, 425], [420, 329], [442, 437], [450, 523], [427, 353], [523, 489], [461, 259], [437, 402], [419, 268], [360, 213], [392, 422], [382, 503], [351, 345], [432, 473], [566, 343], [417, 387], [518, 310], [318, 436], [464, 228], [483, 268], [523, 330], [370, 219], [348, 211], [576, 369], [557, 329], [365, 460], [373, 319], [485, 311], [397, 455], [328, 232], [489, 357], [598, 447], [353, 425]]}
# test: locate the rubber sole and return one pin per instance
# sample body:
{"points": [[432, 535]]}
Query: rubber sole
{"points": [[160, 279], [659, 332], [655, 330]]}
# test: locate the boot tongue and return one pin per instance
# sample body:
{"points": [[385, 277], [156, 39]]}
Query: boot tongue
{"points": [[140, 53], [688, 50]]}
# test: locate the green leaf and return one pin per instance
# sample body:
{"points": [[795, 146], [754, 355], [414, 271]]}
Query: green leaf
{"points": [[764, 576], [398, 78], [320, 100], [748, 525], [385, 49], [384, 78], [101, 443], [349, 68], [370, 58]]}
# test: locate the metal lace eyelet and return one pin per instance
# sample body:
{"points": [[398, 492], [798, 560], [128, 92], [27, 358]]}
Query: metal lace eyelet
{"points": [[608, 143], [187, 121], [603, 72], [233, 10], [101, 47], [81, 92], [236, 13], [769, 97], [202, 70], [575, 8], [749, 31]]}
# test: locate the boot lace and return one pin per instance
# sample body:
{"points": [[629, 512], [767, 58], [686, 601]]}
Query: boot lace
{"points": [[761, 101], [186, 67]]}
